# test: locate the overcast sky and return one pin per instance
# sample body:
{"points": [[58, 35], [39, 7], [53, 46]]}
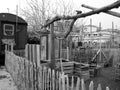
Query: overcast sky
{"points": [[105, 19]]}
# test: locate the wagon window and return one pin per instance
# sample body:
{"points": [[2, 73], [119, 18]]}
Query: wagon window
{"points": [[8, 29]]}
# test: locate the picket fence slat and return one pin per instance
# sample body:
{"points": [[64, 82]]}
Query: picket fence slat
{"points": [[29, 74], [83, 85], [78, 84], [60, 85], [72, 86], [99, 87], [91, 86], [67, 80], [107, 88]]}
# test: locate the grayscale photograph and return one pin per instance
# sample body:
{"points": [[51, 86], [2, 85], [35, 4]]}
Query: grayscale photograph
{"points": [[59, 44]]}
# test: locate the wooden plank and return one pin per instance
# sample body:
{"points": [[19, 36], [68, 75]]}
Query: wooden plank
{"points": [[57, 81], [38, 55], [83, 85], [45, 78], [78, 84], [99, 87], [25, 74], [40, 78], [26, 51], [60, 82], [49, 79], [53, 80], [67, 80], [31, 76], [72, 86], [30, 53], [107, 88], [91, 87], [52, 49], [43, 81]]}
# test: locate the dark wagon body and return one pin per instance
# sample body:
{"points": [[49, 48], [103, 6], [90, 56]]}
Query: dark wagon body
{"points": [[13, 29]]}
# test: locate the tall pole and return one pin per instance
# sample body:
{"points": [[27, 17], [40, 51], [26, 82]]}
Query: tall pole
{"points": [[16, 16], [100, 39], [113, 34], [67, 49], [16, 34], [90, 31], [52, 48]]}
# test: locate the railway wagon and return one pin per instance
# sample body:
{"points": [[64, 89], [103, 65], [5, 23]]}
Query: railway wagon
{"points": [[13, 30]]}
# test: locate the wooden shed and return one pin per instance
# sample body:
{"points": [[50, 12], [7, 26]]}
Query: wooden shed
{"points": [[13, 30]]}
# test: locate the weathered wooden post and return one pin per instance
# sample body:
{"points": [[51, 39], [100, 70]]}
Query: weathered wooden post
{"points": [[100, 43], [26, 51], [91, 87], [67, 50], [70, 48], [52, 48], [38, 54], [11, 47], [113, 34], [59, 48]]}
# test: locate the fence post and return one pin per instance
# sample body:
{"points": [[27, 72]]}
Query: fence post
{"points": [[99, 87], [30, 52], [40, 78], [11, 47], [107, 88], [53, 79], [72, 87], [91, 85], [67, 82], [68, 53], [60, 80], [52, 48], [78, 84], [26, 51], [83, 85], [38, 55]]}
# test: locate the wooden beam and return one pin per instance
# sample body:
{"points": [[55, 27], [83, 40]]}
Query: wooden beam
{"points": [[52, 47], [108, 12], [97, 11]]}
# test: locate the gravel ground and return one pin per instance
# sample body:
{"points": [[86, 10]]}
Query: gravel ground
{"points": [[6, 82]]}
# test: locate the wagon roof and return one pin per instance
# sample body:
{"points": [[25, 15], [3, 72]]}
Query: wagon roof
{"points": [[11, 18]]}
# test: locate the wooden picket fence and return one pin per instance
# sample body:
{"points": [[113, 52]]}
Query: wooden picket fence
{"points": [[35, 51], [31, 76]]}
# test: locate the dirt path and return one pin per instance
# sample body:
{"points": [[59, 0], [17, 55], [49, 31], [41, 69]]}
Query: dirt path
{"points": [[6, 82]]}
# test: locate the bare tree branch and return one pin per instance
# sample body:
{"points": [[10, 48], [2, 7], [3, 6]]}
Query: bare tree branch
{"points": [[103, 9], [70, 28], [108, 12]]}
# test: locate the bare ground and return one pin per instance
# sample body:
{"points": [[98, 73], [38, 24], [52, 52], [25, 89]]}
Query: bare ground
{"points": [[105, 78], [6, 82]]}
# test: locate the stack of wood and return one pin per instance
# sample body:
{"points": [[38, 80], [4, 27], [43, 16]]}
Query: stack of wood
{"points": [[67, 67], [74, 68]]}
